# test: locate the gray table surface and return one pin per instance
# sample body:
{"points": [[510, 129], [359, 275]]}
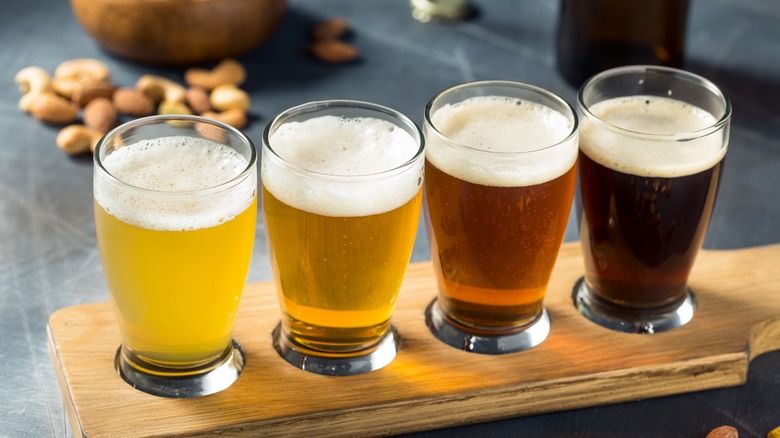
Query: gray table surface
{"points": [[48, 254]]}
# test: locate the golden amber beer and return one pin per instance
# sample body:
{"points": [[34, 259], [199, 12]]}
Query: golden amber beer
{"points": [[652, 144], [500, 178], [175, 214], [342, 190]]}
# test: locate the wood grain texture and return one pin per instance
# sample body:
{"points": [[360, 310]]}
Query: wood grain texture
{"points": [[430, 385]]}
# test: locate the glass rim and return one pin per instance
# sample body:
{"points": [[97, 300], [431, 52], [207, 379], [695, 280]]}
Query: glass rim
{"points": [[518, 85], [705, 83], [314, 106], [148, 120]]}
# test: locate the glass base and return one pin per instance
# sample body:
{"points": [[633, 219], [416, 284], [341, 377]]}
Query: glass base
{"points": [[630, 320], [181, 383], [457, 336], [333, 365]]}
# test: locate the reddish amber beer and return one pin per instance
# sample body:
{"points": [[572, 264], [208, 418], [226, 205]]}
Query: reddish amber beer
{"points": [[652, 144], [500, 178], [495, 246]]}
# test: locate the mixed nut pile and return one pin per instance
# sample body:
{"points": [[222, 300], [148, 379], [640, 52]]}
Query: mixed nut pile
{"points": [[83, 86]]}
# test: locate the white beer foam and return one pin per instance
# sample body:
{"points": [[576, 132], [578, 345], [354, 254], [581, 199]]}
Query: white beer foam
{"points": [[517, 133], [644, 156], [174, 164], [348, 147]]}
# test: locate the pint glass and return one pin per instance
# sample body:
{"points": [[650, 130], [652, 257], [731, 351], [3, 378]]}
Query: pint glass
{"points": [[342, 189], [652, 144], [175, 214], [500, 178]]}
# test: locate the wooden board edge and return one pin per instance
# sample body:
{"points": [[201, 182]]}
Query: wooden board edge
{"points": [[62, 382], [475, 407], [765, 337]]}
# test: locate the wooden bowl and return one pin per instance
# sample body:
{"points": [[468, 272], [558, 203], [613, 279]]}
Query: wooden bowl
{"points": [[179, 32]]}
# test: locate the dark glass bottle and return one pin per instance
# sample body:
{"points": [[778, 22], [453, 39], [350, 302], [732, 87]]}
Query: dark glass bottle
{"points": [[595, 35]]}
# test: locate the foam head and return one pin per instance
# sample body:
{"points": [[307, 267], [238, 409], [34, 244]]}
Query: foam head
{"points": [[342, 166], [162, 178], [656, 137], [501, 141]]}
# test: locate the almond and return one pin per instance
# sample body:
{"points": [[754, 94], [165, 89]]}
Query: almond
{"points": [[51, 108], [100, 114], [330, 29], [723, 432], [84, 94], [333, 51], [132, 102], [198, 100]]}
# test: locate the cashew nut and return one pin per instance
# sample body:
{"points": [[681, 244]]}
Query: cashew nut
{"points": [[77, 139], [32, 82], [75, 73], [226, 97], [168, 107], [83, 69], [228, 71], [235, 117], [160, 89]]}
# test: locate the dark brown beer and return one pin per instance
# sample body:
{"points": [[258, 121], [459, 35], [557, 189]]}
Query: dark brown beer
{"points": [[594, 35], [641, 234], [493, 248], [646, 199]]}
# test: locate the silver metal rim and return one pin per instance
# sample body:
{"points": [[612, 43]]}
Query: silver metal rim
{"points": [[456, 337], [378, 357], [646, 323]]}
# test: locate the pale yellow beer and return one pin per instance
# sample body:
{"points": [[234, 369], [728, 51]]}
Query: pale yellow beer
{"points": [[175, 244], [341, 206]]}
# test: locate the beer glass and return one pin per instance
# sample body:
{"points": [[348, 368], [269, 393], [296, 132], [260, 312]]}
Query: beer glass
{"points": [[175, 201], [652, 144], [342, 189], [500, 178]]}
